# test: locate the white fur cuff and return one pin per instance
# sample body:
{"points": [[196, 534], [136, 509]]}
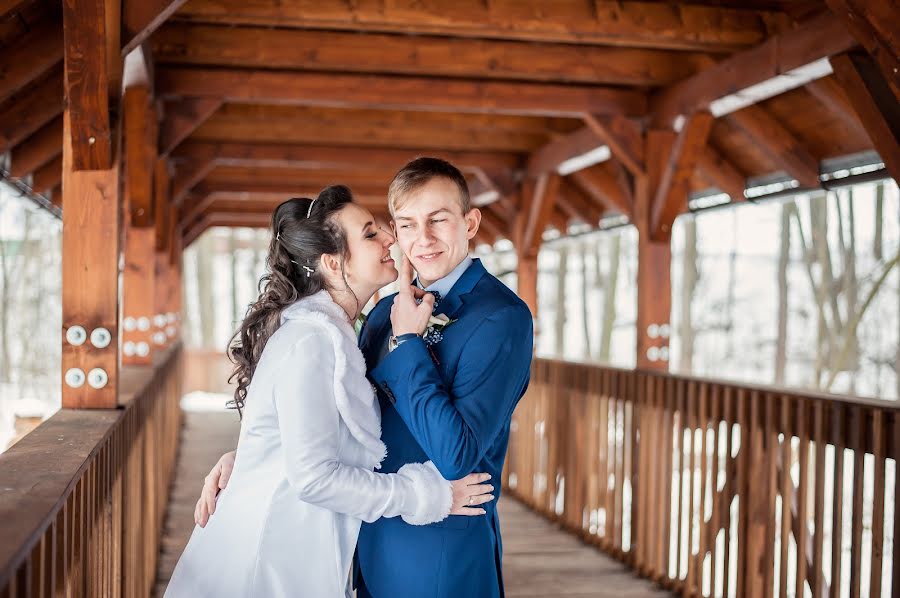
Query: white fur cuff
{"points": [[432, 494]]}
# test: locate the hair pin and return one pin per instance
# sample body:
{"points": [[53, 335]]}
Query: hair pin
{"points": [[308, 270], [311, 204]]}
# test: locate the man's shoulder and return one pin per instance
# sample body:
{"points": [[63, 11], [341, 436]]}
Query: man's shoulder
{"points": [[384, 305], [494, 297]]}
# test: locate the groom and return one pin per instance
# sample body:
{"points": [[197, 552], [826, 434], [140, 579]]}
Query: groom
{"points": [[446, 396]]}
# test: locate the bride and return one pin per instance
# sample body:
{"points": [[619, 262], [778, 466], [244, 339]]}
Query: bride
{"points": [[303, 478]]}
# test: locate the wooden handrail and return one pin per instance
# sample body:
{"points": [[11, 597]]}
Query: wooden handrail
{"points": [[682, 477], [83, 495]]}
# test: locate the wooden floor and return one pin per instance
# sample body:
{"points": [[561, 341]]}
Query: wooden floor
{"points": [[539, 560]]}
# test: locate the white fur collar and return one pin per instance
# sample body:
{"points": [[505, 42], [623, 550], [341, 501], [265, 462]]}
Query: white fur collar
{"points": [[354, 395]]}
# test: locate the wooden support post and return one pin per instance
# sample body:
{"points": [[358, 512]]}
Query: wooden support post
{"points": [[166, 221], [654, 260], [140, 238], [90, 282]]}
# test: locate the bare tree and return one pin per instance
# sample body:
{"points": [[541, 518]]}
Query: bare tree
{"points": [[585, 298], [609, 296], [784, 255], [561, 300], [689, 277], [205, 301]]}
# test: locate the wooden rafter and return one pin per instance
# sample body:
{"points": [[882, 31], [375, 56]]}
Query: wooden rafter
{"points": [[722, 173], [874, 103], [577, 205], [249, 47], [623, 136], [400, 92], [604, 187], [92, 75], [829, 92], [47, 176], [140, 18], [821, 37], [537, 211], [672, 193], [31, 110], [624, 23], [39, 51], [188, 174], [37, 150], [779, 144], [182, 118], [494, 223], [549, 157], [189, 235], [874, 24]]}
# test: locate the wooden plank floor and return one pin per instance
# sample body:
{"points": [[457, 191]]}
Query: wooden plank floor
{"points": [[539, 560]]}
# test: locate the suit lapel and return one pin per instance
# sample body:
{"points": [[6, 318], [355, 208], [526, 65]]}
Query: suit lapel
{"points": [[451, 304]]}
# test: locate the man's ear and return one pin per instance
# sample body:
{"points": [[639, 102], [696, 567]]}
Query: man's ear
{"points": [[473, 221], [330, 265]]}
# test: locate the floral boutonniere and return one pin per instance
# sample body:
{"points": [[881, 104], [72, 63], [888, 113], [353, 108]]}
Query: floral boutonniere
{"points": [[434, 333]]}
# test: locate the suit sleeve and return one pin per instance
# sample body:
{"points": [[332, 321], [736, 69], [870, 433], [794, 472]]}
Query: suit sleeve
{"points": [[456, 426], [310, 430]]}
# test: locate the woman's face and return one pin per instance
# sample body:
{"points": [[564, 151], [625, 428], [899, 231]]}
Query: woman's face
{"points": [[369, 265]]}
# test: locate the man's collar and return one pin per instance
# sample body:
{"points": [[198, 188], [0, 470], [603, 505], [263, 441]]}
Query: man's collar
{"points": [[445, 284]]}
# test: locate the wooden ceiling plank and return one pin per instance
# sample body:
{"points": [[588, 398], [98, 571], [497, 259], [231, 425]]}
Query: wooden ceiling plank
{"points": [[31, 57], [601, 185], [779, 144], [183, 118], [623, 136], [340, 51], [829, 93], [187, 175], [140, 18], [623, 23], [92, 75], [37, 150], [875, 104], [30, 111], [722, 173], [672, 193], [874, 24], [821, 37], [400, 92], [550, 156], [47, 176]]}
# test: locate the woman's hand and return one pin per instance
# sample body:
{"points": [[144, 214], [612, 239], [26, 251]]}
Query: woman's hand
{"points": [[216, 480], [470, 492]]}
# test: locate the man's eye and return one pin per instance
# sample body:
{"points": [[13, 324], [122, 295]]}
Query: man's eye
{"points": [[405, 225], [438, 220]]}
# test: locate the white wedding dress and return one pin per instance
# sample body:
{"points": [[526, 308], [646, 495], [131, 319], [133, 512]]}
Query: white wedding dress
{"points": [[303, 478]]}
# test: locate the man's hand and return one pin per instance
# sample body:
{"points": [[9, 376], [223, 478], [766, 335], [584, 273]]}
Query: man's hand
{"points": [[407, 316], [216, 480]]}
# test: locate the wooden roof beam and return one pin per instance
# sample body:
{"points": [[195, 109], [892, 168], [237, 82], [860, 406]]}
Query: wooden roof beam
{"points": [[190, 234], [494, 223], [140, 18], [188, 174], [874, 24], [722, 173], [399, 92], [830, 93], [577, 205], [34, 55], [779, 144], [675, 184], [32, 110], [601, 184], [623, 23], [548, 158], [820, 37], [93, 75], [37, 150], [623, 136], [877, 107], [141, 130], [339, 51], [47, 176], [183, 118]]}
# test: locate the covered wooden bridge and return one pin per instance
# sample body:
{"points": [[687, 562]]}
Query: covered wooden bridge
{"points": [[143, 123]]}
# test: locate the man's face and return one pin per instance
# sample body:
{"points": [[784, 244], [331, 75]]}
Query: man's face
{"points": [[432, 230]]}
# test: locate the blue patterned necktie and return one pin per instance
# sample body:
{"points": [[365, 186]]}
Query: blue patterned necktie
{"points": [[432, 336]]}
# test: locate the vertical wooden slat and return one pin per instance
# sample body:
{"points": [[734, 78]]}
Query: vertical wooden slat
{"points": [[878, 453], [802, 498], [771, 460], [668, 415], [817, 578], [714, 523], [702, 529], [730, 402], [693, 401], [857, 433], [678, 448], [837, 418], [787, 491]]}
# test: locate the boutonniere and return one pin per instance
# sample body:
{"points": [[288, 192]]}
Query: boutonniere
{"points": [[434, 333]]}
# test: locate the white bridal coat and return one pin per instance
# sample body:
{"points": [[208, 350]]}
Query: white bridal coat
{"points": [[287, 523]]}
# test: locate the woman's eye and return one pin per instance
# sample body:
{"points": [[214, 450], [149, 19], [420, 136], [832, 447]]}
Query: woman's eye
{"points": [[371, 235]]}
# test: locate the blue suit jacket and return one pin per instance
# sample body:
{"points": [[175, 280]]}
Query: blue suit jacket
{"points": [[450, 403]]}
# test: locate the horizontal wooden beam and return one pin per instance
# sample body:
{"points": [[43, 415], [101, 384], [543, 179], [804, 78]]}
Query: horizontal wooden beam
{"points": [[821, 37], [140, 18], [875, 104], [37, 150], [324, 157], [311, 50], [400, 92], [182, 118], [30, 57], [722, 173], [31, 110], [672, 193], [779, 144], [549, 157], [623, 23], [190, 234]]}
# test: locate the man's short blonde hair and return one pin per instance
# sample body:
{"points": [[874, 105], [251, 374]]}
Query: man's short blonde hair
{"points": [[419, 172]]}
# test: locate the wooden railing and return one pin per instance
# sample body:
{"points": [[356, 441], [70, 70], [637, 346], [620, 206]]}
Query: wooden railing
{"points": [[82, 497], [708, 487]]}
